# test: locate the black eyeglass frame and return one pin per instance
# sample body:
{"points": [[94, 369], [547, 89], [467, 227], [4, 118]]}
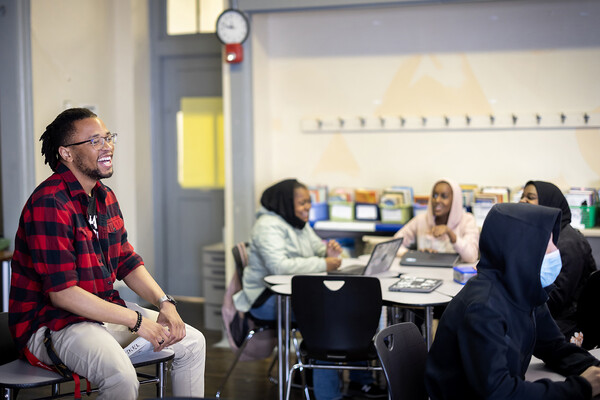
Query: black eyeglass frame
{"points": [[112, 138]]}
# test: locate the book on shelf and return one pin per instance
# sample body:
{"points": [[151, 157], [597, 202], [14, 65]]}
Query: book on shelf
{"points": [[405, 191], [503, 193], [489, 198], [366, 196], [421, 200], [468, 194], [318, 194], [580, 196], [342, 195]]}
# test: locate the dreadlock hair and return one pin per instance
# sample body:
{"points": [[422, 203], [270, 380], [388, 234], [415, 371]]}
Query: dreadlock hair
{"points": [[59, 131]]}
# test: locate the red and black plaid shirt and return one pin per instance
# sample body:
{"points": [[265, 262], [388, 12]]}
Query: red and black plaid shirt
{"points": [[55, 248]]}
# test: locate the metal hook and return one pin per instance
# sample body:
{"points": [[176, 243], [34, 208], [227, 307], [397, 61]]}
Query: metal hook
{"points": [[341, 121], [492, 119], [402, 121], [538, 118], [514, 119], [423, 121], [446, 120], [319, 124], [563, 118], [586, 118], [468, 119]]}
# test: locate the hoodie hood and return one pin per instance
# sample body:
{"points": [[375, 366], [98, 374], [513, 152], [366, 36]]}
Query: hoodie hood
{"points": [[551, 196], [456, 209], [513, 242]]}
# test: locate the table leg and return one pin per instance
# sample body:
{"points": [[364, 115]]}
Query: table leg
{"points": [[280, 348], [428, 326], [287, 332]]}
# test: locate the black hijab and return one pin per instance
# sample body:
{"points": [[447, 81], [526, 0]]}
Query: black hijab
{"points": [[279, 199], [551, 196]]}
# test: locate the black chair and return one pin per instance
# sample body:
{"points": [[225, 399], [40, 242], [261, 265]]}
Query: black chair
{"points": [[17, 374], [337, 317], [258, 340], [588, 310], [402, 352]]}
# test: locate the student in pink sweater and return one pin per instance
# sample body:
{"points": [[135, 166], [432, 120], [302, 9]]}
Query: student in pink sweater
{"points": [[445, 227]]}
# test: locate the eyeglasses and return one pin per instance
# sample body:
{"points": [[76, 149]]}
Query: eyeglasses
{"points": [[97, 142]]}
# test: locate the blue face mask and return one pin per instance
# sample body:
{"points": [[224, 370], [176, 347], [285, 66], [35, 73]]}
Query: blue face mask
{"points": [[551, 266]]}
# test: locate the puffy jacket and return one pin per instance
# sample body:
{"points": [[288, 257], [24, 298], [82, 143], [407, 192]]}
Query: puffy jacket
{"points": [[277, 248]]}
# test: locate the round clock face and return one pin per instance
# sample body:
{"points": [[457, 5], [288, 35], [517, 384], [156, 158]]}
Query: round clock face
{"points": [[232, 26]]}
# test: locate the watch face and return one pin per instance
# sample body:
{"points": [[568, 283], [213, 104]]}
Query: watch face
{"points": [[232, 27]]}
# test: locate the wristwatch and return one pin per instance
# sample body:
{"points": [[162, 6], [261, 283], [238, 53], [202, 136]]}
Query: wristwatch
{"points": [[168, 298]]}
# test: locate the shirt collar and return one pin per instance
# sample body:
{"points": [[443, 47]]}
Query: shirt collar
{"points": [[73, 185]]}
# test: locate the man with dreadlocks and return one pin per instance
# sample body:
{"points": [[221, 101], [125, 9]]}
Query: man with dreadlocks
{"points": [[70, 248]]}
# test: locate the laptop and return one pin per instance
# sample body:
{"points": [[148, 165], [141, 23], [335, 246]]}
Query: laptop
{"points": [[414, 258], [380, 261]]}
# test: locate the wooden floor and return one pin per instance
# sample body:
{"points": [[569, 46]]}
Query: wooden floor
{"points": [[249, 380]]}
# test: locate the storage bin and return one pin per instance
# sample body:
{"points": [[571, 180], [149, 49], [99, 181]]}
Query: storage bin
{"points": [[341, 211], [397, 214], [419, 209], [583, 216], [366, 212], [318, 212]]}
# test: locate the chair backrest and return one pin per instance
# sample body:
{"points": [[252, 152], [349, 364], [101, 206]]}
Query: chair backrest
{"points": [[588, 310], [337, 315], [402, 351], [8, 350], [240, 256]]}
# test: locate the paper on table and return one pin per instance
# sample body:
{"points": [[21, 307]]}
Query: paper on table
{"points": [[138, 346]]}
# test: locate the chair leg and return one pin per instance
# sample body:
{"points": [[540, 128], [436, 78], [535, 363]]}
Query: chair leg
{"points": [[55, 389], [289, 383], [235, 361], [161, 369]]}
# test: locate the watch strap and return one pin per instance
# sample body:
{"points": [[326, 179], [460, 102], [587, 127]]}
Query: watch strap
{"points": [[168, 298]]}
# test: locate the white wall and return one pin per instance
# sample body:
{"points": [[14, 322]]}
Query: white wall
{"points": [[434, 60], [90, 52]]}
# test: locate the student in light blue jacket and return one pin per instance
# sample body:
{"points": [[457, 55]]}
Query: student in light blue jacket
{"points": [[282, 242]]}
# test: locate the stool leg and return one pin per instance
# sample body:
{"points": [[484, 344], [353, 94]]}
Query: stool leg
{"points": [[160, 385]]}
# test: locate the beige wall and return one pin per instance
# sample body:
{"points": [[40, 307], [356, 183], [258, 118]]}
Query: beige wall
{"points": [[477, 59], [90, 52]]}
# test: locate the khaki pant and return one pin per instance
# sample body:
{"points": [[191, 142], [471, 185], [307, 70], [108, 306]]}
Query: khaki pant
{"points": [[96, 352]]}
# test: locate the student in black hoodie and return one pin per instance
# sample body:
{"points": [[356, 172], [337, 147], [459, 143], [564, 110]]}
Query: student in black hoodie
{"points": [[490, 330], [575, 253]]}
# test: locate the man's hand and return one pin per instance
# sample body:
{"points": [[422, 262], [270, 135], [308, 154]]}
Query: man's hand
{"points": [[592, 375], [155, 333], [169, 318]]}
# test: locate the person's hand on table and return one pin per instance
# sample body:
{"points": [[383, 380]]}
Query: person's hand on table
{"points": [[333, 263], [333, 249], [592, 375]]}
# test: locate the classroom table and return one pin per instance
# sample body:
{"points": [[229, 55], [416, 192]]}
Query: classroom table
{"points": [[538, 370], [281, 286]]}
